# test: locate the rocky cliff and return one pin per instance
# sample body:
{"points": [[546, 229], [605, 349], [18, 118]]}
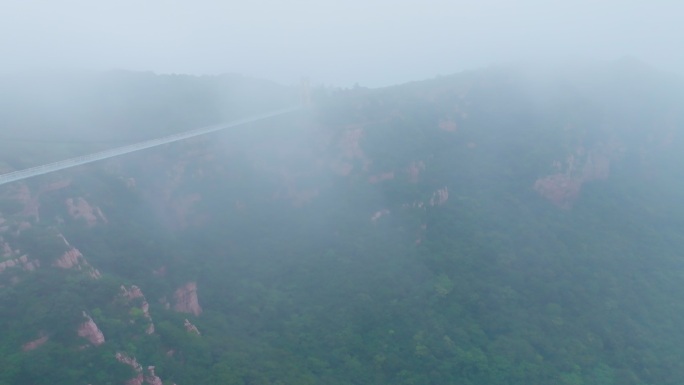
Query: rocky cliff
{"points": [[90, 331], [135, 295], [142, 377], [185, 299]]}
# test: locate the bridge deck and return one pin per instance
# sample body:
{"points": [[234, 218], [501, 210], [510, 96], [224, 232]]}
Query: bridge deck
{"points": [[77, 161]]}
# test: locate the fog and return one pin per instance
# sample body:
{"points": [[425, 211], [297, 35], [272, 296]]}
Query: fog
{"points": [[334, 42], [516, 222]]}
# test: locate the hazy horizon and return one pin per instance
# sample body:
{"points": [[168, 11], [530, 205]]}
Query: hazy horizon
{"points": [[333, 43]]}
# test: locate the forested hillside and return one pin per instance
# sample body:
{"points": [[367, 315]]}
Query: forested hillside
{"points": [[489, 227]]}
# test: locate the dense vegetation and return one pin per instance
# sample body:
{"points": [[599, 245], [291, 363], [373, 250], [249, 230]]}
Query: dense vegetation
{"points": [[495, 285]]}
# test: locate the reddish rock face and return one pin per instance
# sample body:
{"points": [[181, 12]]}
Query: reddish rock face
{"points": [[563, 187], [90, 331], [132, 293], [69, 259], [22, 262], [137, 380], [31, 345], [186, 300], [560, 189], [73, 259], [81, 209]]}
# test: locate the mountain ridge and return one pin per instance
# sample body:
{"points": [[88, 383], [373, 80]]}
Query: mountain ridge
{"points": [[464, 229]]}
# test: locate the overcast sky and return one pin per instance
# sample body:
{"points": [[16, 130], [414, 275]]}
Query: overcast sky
{"points": [[340, 42]]}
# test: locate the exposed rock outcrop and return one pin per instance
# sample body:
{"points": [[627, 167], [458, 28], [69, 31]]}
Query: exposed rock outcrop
{"points": [[134, 293], [190, 328], [73, 259], [70, 259], [185, 299], [31, 345], [90, 331], [141, 378], [79, 208], [152, 378], [563, 187], [22, 262], [133, 363]]}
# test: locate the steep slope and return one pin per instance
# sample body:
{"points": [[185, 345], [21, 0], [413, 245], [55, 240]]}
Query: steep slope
{"points": [[483, 228]]}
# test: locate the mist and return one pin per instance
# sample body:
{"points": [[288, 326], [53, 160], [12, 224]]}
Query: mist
{"points": [[334, 43], [485, 193]]}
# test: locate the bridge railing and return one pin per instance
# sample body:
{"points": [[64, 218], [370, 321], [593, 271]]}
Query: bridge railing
{"points": [[106, 154]]}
